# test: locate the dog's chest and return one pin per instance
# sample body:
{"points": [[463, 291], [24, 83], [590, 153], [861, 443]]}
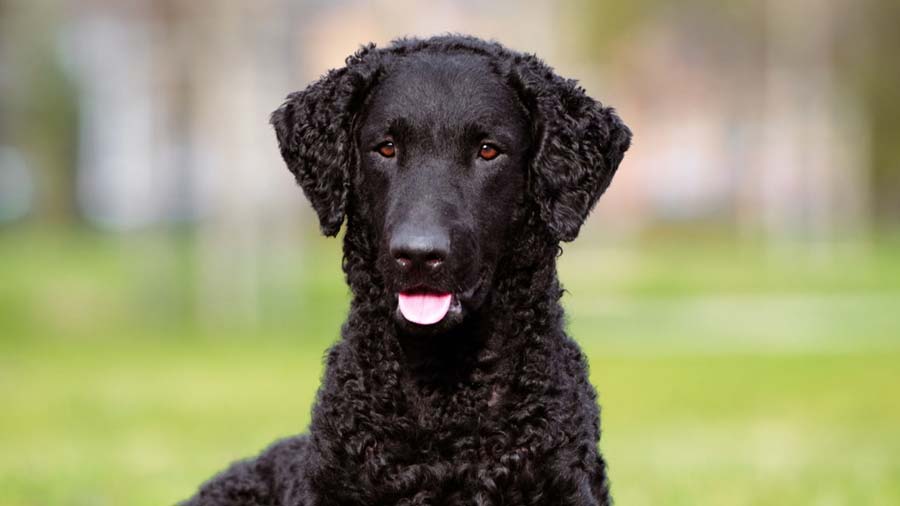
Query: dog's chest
{"points": [[463, 452], [473, 429]]}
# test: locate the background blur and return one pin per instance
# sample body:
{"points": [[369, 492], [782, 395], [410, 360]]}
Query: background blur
{"points": [[165, 298]]}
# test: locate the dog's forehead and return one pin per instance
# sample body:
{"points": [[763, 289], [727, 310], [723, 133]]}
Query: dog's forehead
{"points": [[446, 88]]}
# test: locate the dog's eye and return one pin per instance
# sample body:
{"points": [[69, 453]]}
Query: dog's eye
{"points": [[386, 149], [488, 152]]}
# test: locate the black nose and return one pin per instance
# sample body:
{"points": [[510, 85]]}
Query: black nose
{"points": [[414, 247]]}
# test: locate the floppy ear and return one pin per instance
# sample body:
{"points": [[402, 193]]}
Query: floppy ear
{"points": [[313, 127], [579, 146]]}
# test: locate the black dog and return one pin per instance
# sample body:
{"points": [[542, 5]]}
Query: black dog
{"points": [[459, 166]]}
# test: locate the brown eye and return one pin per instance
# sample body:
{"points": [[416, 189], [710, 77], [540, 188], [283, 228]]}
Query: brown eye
{"points": [[488, 152], [386, 149]]}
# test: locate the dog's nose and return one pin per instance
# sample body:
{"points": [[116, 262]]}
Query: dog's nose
{"points": [[414, 248]]}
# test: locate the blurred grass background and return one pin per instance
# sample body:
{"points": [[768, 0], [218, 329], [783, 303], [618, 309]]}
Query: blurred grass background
{"points": [[727, 375], [166, 301]]}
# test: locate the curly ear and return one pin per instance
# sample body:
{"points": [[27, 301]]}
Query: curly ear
{"points": [[313, 127], [579, 146]]}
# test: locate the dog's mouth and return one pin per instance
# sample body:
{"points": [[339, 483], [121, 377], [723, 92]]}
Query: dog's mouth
{"points": [[424, 307]]}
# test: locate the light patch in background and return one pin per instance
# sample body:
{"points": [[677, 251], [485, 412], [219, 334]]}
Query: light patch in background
{"points": [[121, 181], [16, 185]]}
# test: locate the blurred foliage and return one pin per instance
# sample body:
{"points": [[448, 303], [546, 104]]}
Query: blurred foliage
{"points": [[603, 26], [40, 104], [868, 56], [40, 101], [863, 51]]}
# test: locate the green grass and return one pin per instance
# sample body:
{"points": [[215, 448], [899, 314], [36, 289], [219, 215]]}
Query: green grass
{"points": [[752, 429], [728, 374], [144, 423]]}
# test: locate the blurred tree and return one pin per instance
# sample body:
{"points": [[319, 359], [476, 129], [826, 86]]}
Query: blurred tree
{"points": [[867, 55], [40, 103], [857, 53]]}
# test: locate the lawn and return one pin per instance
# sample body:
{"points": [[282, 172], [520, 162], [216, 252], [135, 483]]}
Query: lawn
{"points": [[728, 375]]}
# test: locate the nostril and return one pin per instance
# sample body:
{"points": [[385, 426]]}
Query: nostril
{"points": [[434, 261]]}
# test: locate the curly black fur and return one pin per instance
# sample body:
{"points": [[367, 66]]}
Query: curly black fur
{"points": [[500, 413]]}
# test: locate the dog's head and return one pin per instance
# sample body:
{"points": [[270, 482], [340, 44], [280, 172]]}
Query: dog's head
{"points": [[439, 148]]}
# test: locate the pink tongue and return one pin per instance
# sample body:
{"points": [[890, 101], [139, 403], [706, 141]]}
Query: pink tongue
{"points": [[424, 308]]}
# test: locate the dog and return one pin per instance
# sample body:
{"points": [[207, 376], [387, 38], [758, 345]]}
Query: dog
{"points": [[458, 167]]}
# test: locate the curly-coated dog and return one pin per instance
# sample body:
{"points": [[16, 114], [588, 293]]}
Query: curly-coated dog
{"points": [[459, 166]]}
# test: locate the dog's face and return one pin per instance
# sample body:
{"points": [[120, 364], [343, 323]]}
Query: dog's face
{"points": [[434, 149], [443, 146]]}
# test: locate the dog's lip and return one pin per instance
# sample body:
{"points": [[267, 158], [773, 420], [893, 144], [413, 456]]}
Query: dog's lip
{"points": [[423, 289], [457, 295]]}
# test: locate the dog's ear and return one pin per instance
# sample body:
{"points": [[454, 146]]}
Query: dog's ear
{"points": [[579, 144], [313, 127]]}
